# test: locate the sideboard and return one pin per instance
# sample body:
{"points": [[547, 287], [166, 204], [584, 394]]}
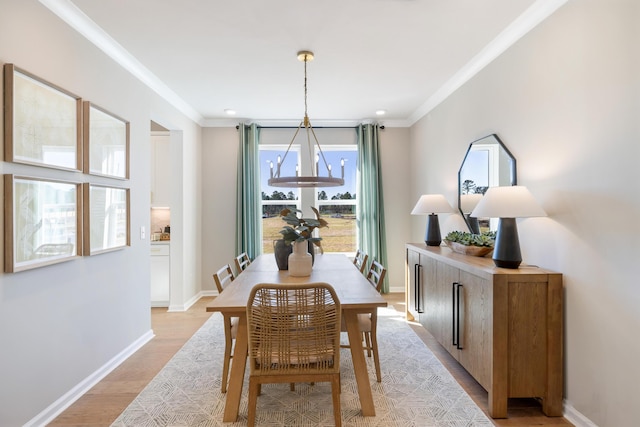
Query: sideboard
{"points": [[504, 326]]}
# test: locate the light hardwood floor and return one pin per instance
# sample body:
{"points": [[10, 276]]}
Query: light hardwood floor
{"points": [[101, 405]]}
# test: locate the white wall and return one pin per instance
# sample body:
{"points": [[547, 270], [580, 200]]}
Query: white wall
{"points": [[396, 176], [219, 169], [566, 101], [61, 326]]}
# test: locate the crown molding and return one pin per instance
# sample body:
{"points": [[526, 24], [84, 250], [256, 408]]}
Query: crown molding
{"points": [[534, 15], [78, 20]]}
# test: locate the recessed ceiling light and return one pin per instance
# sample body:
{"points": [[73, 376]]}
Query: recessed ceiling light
{"points": [[381, 112], [230, 112]]}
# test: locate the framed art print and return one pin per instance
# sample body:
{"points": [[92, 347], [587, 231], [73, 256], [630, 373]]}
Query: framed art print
{"points": [[42, 122], [106, 218], [42, 222], [106, 143]]}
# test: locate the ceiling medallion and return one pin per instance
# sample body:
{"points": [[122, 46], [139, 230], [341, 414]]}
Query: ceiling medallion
{"points": [[313, 180]]}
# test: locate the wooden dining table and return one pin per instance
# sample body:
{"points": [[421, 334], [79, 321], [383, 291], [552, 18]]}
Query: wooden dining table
{"points": [[354, 291]]}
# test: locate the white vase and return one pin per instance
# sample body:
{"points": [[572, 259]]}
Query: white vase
{"points": [[300, 262]]}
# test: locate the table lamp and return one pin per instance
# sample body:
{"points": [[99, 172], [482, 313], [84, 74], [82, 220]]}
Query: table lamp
{"points": [[432, 204], [507, 204]]}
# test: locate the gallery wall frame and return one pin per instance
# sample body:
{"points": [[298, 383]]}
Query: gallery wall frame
{"points": [[106, 143], [43, 222], [42, 122], [106, 218]]}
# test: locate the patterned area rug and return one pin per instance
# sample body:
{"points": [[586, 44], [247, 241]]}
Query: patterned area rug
{"points": [[416, 390]]}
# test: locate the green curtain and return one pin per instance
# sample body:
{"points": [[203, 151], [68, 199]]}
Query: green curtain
{"points": [[372, 239], [248, 215]]}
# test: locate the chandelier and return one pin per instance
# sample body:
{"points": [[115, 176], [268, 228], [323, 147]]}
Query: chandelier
{"points": [[313, 180]]}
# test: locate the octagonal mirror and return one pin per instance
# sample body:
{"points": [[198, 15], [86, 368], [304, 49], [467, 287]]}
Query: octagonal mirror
{"points": [[487, 163]]}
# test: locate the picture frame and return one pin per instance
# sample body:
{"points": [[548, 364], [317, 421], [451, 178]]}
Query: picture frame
{"points": [[106, 143], [42, 222], [42, 122], [106, 218]]}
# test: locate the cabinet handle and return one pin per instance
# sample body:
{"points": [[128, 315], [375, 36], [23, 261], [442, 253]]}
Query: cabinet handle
{"points": [[455, 314], [415, 287], [458, 343], [420, 309], [454, 335], [417, 268]]}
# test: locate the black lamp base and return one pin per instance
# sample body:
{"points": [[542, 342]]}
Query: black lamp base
{"points": [[474, 225], [506, 251], [432, 235]]}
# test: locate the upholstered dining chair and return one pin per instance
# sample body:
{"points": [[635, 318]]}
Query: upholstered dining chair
{"points": [[360, 260], [368, 322], [242, 261], [223, 278], [294, 336]]}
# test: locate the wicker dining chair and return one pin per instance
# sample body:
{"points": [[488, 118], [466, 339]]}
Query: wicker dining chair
{"points": [[360, 260], [223, 278], [242, 261], [368, 322], [294, 336]]}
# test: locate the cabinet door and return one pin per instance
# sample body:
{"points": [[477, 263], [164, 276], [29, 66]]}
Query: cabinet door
{"points": [[475, 327], [447, 277], [432, 314], [160, 277], [414, 300]]}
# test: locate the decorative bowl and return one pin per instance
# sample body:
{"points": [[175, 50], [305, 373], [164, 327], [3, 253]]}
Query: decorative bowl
{"points": [[479, 251]]}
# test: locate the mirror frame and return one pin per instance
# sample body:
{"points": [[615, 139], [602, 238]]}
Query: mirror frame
{"points": [[492, 138]]}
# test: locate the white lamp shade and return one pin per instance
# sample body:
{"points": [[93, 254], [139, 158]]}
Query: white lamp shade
{"points": [[508, 202], [431, 203], [468, 202]]}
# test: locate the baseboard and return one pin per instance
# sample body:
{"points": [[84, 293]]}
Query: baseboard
{"points": [[396, 289], [57, 407], [186, 305], [211, 293], [574, 417]]}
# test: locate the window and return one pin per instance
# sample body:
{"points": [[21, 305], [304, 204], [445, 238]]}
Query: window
{"points": [[274, 199], [337, 205]]}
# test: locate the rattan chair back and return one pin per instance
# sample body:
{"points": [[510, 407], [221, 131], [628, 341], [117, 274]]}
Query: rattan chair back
{"points": [[294, 336]]}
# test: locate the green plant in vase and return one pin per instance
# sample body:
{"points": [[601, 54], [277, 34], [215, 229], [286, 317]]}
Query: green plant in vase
{"points": [[299, 229]]}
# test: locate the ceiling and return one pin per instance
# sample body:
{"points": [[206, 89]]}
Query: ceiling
{"points": [[208, 56]]}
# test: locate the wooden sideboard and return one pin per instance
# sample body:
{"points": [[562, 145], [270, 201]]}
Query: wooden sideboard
{"points": [[504, 326]]}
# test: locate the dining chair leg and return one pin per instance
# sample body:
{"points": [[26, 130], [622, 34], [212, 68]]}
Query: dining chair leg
{"points": [[254, 390], [228, 345], [376, 357], [335, 394], [367, 342]]}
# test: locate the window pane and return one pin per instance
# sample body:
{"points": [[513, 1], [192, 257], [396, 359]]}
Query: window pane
{"points": [[271, 225], [334, 158], [340, 236]]}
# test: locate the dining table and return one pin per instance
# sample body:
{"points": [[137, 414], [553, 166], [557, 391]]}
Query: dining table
{"points": [[356, 295]]}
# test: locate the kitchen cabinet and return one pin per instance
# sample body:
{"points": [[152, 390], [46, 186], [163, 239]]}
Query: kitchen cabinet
{"points": [[504, 326], [160, 274], [160, 170]]}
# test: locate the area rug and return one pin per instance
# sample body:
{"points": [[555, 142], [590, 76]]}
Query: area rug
{"points": [[416, 389]]}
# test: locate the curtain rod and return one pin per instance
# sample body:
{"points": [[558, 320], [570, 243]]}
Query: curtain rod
{"points": [[315, 127]]}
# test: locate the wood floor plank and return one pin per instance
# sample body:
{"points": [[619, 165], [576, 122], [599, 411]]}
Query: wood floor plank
{"points": [[101, 405]]}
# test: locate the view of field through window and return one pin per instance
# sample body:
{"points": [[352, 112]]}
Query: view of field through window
{"points": [[337, 205]]}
